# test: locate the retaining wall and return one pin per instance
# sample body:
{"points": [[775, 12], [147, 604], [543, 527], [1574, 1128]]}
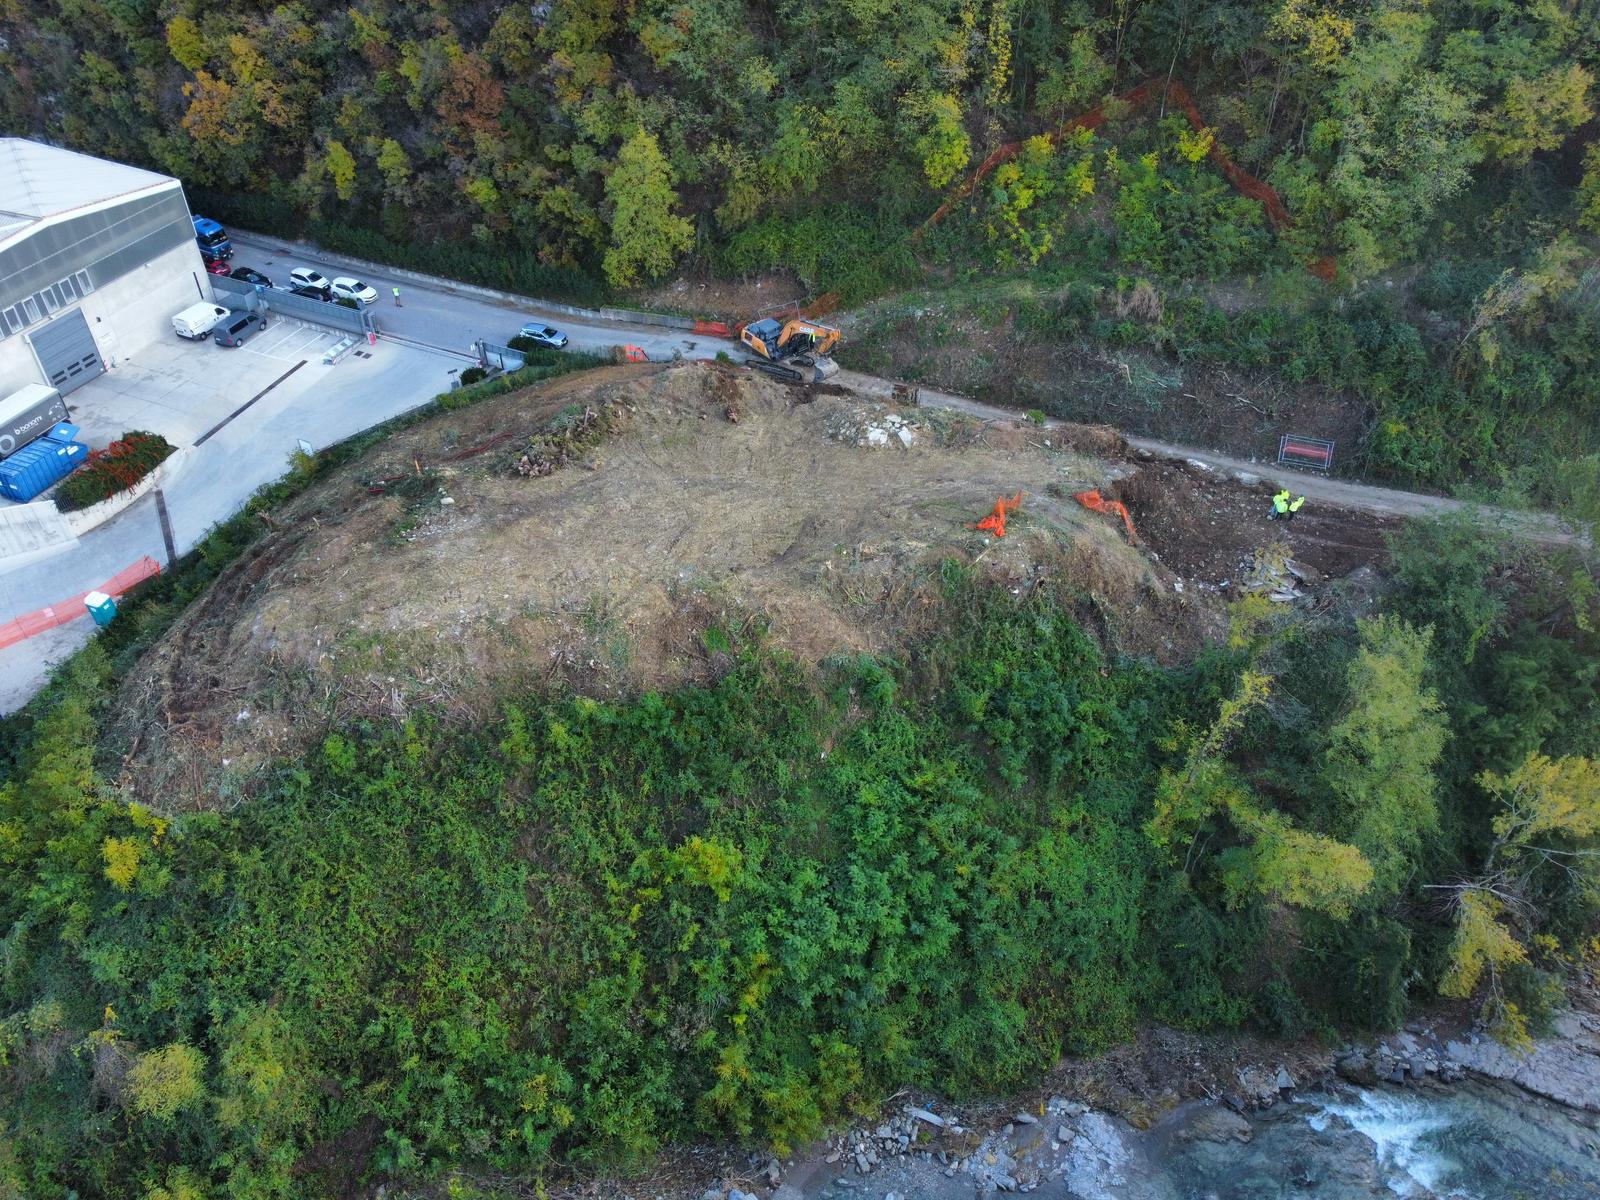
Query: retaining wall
{"points": [[85, 519]]}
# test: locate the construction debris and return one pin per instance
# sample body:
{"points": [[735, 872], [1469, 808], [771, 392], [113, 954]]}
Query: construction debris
{"points": [[567, 439], [1272, 571]]}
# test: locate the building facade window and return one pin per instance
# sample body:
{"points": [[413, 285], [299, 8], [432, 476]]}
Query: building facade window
{"points": [[45, 303]]}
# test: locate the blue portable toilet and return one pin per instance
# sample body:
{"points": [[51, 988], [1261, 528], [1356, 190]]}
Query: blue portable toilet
{"points": [[101, 607]]}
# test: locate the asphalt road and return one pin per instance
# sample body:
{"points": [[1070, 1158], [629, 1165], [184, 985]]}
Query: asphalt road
{"points": [[452, 316]]}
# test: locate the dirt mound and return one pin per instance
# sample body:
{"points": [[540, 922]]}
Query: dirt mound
{"points": [[1205, 526], [659, 512]]}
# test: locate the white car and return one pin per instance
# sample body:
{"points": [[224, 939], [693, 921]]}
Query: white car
{"points": [[346, 288], [307, 278], [545, 335]]}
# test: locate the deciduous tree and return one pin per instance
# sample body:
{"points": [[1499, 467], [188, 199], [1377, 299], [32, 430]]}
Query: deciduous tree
{"points": [[647, 234]]}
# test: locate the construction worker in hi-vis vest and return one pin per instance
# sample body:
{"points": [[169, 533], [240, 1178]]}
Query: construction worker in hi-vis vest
{"points": [[1284, 509]]}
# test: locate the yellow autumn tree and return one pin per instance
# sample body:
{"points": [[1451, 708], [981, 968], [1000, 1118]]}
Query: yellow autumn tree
{"points": [[1272, 856], [122, 860], [186, 44], [1320, 34], [164, 1082], [647, 232], [341, 166], [1545, 834]]}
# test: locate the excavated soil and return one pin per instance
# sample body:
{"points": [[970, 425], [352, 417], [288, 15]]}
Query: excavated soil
{"points": [[1203, 525], [431, 576]]}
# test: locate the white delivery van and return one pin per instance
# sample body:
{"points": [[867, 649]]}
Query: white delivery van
{"points": [[196, 321]]}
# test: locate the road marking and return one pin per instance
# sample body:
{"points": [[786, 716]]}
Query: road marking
{"points": [[215, 429], [166, 527]]}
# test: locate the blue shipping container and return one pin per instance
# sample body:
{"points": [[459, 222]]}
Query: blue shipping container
{"points": [[36, 466]]}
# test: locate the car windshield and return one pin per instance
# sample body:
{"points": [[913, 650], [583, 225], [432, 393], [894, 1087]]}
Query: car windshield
{"points": [[357, 286]]}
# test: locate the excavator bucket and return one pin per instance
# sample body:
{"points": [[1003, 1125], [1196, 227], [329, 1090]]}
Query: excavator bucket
{"points": [[1094, 500]]}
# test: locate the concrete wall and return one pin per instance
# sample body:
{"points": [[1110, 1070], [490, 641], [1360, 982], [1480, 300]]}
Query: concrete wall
{"points": [[130, 313], [17, 366], [125, 316]]}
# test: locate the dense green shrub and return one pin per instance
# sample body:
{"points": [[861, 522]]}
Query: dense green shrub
{"points": [[844, 249], [116, 469], [588, 929]]}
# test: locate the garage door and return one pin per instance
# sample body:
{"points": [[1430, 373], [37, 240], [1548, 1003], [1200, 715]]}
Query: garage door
{"points": [[67, 352]]}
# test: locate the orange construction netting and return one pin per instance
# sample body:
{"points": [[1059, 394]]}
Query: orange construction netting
{"points": [[995, 522], [1093, 499], [62, 611]]}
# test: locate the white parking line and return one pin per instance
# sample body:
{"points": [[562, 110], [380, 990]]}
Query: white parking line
{"points": [[287, 343]]}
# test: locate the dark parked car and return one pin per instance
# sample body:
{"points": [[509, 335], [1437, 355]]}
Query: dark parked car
{"points": [[314, 293], [216, 266], [239, 329], [250, 275]]}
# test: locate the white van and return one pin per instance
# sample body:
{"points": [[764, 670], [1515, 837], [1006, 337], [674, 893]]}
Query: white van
{"points": [[196, 321]]}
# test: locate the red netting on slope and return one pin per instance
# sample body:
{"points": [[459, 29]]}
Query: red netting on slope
{"points": [[1246, 183]]}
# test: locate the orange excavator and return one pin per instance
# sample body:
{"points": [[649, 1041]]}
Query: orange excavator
{"points": [[796, 352]]}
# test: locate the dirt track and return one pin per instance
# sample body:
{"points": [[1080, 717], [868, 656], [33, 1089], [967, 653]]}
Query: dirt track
{"points": [[433, 575], [1319, 489]]}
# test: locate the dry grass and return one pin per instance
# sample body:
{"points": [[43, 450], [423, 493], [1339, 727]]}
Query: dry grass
{"points": [[716, 497]]}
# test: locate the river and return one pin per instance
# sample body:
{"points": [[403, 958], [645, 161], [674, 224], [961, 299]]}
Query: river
{"points": [[1472, 1141]]}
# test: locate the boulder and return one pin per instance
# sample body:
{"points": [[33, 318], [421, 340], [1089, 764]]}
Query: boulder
{"points": [[1356, 1067], [1216, 1123], [1560, 1068]]}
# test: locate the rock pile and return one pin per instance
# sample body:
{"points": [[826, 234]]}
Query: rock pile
{"points": [[1065, 1141], [876, 428]]}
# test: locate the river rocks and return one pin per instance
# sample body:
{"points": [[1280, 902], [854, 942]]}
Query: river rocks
{"points": [[1215, 1123], [1259, 1086], [1357, 1067], [1564, 1068]]}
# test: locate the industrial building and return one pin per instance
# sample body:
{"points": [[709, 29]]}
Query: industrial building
{"points": [[95, 257]]}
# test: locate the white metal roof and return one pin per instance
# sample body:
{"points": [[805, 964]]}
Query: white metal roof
{"points": [[38, 182]]}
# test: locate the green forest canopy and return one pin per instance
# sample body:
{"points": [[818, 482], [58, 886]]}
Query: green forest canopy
{"points": [[588, 930], [1440, 154], [508, 123]]}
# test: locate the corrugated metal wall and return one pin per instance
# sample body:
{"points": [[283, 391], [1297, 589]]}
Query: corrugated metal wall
{"points": [[57, 265]]}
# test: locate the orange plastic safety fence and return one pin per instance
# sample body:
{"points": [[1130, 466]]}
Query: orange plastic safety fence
{"points": [[995, 522], [60, 613], [1094, 500]]}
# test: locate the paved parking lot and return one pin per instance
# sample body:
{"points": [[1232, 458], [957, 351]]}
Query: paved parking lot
{"points": [[182, 389], [289, 341]]}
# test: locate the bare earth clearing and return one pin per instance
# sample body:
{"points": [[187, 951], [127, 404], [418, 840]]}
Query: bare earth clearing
{"points": [[434, 576]]}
